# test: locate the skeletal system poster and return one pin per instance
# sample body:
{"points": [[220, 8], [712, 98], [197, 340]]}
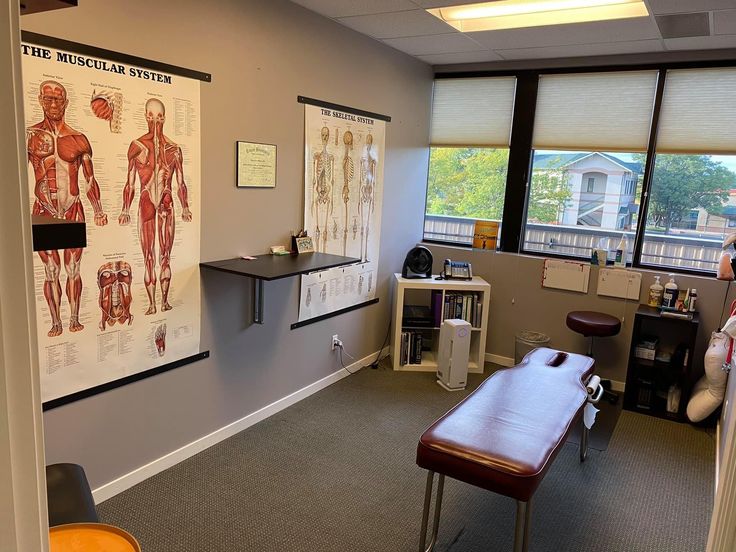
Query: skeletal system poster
{"points": [[342, 208], [117, 146]]}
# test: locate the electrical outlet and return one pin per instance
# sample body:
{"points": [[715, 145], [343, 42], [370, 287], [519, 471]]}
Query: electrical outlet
{"points": [[335, 342]]}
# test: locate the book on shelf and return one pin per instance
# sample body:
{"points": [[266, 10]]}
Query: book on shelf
{"points": [[464, 305], [437, 307], [411, 348]]}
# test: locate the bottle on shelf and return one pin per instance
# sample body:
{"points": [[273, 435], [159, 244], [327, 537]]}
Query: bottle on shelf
{"points": [[656, 291], [669, 297], [621, 252], [693, 299]]}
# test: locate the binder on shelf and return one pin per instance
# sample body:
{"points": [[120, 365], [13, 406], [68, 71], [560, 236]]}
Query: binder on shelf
{"points": [[437, 307]]}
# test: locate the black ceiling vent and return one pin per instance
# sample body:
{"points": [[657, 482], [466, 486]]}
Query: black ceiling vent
{"points": [[680, 25]]}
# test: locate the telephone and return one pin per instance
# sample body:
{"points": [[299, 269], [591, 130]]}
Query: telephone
{"points": [[458, 270]]}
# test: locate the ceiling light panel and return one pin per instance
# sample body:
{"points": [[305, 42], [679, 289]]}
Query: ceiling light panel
{"points": [[513, 14]]}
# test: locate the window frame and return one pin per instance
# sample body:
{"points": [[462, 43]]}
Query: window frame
{"points": [[521, 154]]}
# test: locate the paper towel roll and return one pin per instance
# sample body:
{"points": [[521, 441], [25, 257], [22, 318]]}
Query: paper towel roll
{"points": [[593, 384]]}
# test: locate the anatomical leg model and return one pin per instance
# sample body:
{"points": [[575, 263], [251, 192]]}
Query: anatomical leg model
{"points": [[114, 280], [160, 339], [56, 153], [323, 184], [709, 391], [348, 172], [155, 159], [366, 202]]}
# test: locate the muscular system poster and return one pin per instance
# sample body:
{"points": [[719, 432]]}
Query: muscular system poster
{"points": [[343, 192], [117, 146]]}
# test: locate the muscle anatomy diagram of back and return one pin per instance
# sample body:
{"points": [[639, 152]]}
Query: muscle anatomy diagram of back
{"points": [[155, 160]]}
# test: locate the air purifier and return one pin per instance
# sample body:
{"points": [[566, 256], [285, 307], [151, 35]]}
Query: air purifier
{"points": [[452, 354]]}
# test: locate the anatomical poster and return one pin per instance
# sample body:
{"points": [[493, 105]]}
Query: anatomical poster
{"points": [[343, 192], [116, 146]]}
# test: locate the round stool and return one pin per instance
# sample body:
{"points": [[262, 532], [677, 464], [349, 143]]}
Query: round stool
{"points": [[595, 324]]}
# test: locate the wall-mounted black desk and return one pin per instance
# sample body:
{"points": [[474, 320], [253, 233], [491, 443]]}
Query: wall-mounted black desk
{"points": [[275, 267]]}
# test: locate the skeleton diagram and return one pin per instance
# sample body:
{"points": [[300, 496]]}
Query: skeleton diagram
{"points": [[114, 280], [366, 201], [56, 152], [348, 172], [155, 159], [323, 183]]}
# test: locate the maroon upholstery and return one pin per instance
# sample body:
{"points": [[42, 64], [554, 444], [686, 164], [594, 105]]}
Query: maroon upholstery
{"points": [[504, 436], [596, 324]]}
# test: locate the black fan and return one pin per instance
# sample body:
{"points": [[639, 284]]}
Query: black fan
{"points": [[418, 263]]}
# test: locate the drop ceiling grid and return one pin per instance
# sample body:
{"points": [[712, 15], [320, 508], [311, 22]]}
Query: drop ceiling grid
{"points": [[406, 26]]}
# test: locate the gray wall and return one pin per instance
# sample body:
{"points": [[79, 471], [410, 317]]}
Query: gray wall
{"points": [[261, 56], [518, 302]]}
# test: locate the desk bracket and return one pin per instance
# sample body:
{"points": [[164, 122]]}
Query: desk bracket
{"points": [[258, 301]]}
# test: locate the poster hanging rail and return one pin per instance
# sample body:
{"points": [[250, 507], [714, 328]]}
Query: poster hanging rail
{"points": [[52, 42], [321, 317], [344, 108], [66, 399]]}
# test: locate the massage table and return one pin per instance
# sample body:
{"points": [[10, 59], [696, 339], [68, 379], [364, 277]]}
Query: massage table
{"points": [[504, 436]]}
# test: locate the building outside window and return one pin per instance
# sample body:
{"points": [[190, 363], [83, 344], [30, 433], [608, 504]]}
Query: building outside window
{"points": [[588, 151]]}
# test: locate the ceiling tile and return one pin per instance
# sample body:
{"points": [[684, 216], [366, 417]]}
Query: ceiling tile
{"points": [[684, 6], [701, 42], [581, 50], [398, 24], [724, 22], [435, 44], [344, 8], [640, 28], [461, 57]]}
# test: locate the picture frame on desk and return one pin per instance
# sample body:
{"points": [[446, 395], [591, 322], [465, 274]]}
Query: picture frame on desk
{"points": [[304, 245]]}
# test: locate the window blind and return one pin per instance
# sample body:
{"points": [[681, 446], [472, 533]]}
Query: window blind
{"points": [[698, 112], [472, 112], [595, 111]]}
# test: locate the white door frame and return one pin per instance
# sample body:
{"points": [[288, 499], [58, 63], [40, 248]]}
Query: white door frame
{"points": [[23, 511], [722, 535]]}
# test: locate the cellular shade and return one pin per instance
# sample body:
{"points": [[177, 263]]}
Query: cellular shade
{"points": [[472, 112], [698, 112], [595, 111]]}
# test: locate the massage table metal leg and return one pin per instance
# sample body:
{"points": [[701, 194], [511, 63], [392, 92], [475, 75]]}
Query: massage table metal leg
{"points": [[584, 443], [437, 510], [523, 517]]}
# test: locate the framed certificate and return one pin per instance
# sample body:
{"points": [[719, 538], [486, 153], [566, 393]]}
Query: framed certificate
{"points": [[256, 166]]}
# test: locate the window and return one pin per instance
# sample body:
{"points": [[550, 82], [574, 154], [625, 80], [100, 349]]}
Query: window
{"points": [[588, 156], [470, 131], [693, 192], [588, 170]]}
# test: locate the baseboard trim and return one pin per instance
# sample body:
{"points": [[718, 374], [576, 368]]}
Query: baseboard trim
{"points": [[124, 482], [618, 386], [508, 362]]}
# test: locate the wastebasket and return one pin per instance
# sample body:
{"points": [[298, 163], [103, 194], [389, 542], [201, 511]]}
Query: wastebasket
{"points": [[526, 341]]}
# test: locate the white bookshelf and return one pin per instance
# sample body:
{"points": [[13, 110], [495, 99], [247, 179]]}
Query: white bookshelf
{"points": [[429, 358]]}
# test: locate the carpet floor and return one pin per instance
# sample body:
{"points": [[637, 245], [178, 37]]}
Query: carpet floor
{"points": [[336, 473]]}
